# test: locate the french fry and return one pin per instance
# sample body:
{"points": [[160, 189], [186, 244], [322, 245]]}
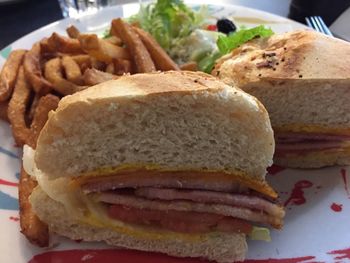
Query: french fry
{"points": [[99, 65], [114, 40], [122, 66], [113, 32], [17, 108], [141, 56], [9, 73], [72, 70], [110, 68], [100, 49], [160, 58], [191, 66], [84, 61], [35, 230], [44, 106], [64, 44], [72, 31], [65, 87], [3, 110], [53, 72], [94, 76], [32, 70], [45, 48], [32, 108]]}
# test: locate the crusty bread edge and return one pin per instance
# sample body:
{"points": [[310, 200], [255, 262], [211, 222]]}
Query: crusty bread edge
{"points": [[221, 247]]}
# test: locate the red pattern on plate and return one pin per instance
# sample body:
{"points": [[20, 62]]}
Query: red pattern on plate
{"points": [[107, 256], [132, 256], [297, 196], [281, 260], [343, 253], [4, 182], [14, 218], [337, 207]]}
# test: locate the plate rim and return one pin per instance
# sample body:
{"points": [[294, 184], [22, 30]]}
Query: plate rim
{"points": [[190, 2]]}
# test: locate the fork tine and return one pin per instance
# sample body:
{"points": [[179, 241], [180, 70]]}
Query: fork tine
{"points": [[319, 24], [324, 27], [308, 22], [315, 24]]}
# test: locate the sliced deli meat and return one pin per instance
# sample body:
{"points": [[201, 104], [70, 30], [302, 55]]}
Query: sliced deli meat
{"points": [[304, 148], [189, 206], [306, 143], [240, 200], [163, 180], [214, 181], [299, 137]]}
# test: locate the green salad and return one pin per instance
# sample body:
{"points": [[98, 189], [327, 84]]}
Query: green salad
{"points": [[183, 32]]}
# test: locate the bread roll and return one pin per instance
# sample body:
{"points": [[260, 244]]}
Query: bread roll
{"points": [[303, 80]]}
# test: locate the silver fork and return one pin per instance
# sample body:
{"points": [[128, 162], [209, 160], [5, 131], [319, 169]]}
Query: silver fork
{"points": [[317, 23]]}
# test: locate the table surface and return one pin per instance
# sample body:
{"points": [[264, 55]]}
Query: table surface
{"points": [[23, 16]]}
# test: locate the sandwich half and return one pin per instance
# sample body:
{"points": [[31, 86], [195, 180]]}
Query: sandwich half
{"points": [[169, 162], [303, 80]]}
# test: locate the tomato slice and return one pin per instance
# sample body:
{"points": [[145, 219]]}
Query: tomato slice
{"points": [[212, 27], [179, 221]]}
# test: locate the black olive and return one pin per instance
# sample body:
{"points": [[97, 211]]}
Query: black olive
{"points": [[225, 26]]}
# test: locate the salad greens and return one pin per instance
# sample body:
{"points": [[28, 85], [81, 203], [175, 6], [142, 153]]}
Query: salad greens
{"points": [[169, 21], [226, 43], [234, 40], [179, 30]]}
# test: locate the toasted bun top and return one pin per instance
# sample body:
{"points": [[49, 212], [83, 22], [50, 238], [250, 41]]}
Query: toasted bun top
{"points": [[297, 55], [140, 85], [168, 121]]}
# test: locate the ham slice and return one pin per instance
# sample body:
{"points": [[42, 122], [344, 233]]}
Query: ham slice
{"points": [[190, 206], [304, 143], [211, 197], [119, 182], [299, 137], [220, 182]]}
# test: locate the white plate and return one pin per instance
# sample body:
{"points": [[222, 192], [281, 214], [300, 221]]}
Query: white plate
{"points": [[317, 201]]}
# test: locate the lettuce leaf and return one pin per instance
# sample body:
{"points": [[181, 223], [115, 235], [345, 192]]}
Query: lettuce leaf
{"points": [[207, 63], [260, 233], [234, 40], [227, 43]]}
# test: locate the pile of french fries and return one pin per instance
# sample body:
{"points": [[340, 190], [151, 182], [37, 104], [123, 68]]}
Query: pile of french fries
{"points": [[33, 81]]}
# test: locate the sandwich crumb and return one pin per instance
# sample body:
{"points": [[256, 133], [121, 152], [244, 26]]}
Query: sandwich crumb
{"points": [[300, 76]]}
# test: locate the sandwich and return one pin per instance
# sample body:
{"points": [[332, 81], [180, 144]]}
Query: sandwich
{"points": [[170, 162], [303, 80]]}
